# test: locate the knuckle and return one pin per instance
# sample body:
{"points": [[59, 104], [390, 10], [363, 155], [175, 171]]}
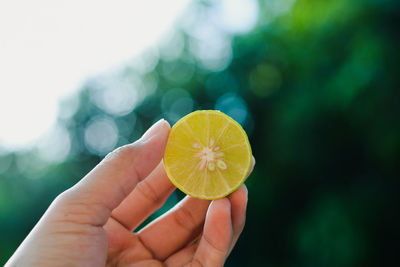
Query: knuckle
{"points": [[125, 151], [195, 263], [185, 219], [145, 189], [116, 153], [123, 191], [64, 198], [72, 207], [215, 246]]}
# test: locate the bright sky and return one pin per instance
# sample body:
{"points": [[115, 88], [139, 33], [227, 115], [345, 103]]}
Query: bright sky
{"points": [[49, 47]]}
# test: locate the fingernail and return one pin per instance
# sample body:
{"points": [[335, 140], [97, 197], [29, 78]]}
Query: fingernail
{"points": [[153, 130]]}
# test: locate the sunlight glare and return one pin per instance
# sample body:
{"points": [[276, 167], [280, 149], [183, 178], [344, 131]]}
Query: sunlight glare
{"points": [[48, 48]]}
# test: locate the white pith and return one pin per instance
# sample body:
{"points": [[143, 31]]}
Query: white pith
{"points": [[210, 156]]}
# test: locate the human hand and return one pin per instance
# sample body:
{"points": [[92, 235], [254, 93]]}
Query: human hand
{"points": [[91, 223]]}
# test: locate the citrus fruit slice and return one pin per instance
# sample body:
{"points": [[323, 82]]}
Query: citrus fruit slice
{"points": [[208, 154]]}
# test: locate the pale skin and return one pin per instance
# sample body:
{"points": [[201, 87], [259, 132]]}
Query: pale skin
{"points": [[93, 223]]}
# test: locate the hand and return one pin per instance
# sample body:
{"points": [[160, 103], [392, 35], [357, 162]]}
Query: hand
{"points": [[91, 224]]}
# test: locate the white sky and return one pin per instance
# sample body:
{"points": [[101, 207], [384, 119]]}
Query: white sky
{"points": [[49, 47]]}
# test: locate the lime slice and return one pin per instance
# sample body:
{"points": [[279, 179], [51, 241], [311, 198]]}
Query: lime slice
{"points": [[208, 154]]}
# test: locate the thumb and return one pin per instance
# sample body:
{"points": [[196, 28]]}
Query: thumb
{"points": [[104, 188]]}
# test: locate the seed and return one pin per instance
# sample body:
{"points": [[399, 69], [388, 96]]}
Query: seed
{"points": [[221, 164], [211, 166]]}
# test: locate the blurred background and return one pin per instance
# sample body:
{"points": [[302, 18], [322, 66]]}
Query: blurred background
{"points": [[314, 83]]}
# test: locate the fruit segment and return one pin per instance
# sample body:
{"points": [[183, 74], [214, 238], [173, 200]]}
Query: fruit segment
{"points": [[208, 154]]}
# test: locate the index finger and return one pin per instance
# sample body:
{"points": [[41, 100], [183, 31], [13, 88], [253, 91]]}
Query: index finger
{"points": [[111, 181]]}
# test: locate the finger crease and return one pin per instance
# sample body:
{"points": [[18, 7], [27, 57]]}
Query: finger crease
{"points": [[196, 263], [148, 191], [185, 219], [120, 222], [213, 246]]}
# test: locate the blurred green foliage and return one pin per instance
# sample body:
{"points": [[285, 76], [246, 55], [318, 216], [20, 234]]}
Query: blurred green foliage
{"points": [[315, 84]]}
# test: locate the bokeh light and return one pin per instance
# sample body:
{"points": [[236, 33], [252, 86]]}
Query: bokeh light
{"points": [[146, 61], [178, 72], [117, 95], [171, 45], [46, 55], [176, 103], [236, 16], [68, 107], [101, 135], [211, 48], [234, 106], [265, 79], [220, 83], [55, 145]]}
